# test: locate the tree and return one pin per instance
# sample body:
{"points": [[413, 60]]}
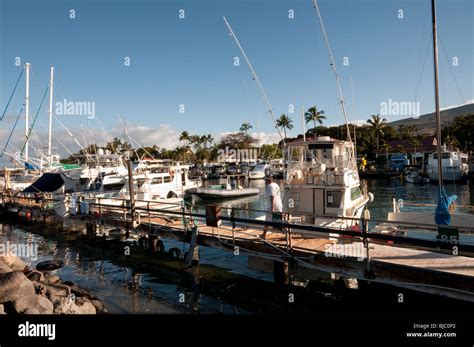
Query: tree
{"points": [[245, 127], [184, 137], [284, 122], [207, 140], [407, 132], [378, 125], [315, 116]]}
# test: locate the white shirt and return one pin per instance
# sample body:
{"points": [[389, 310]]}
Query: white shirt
{"points": [[273, 189]]}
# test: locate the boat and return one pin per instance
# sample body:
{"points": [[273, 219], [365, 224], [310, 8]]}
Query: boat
{"points": [[277, 167], [414, 176], [455, 165], [322, 185], [223, 190], [259, 171]]}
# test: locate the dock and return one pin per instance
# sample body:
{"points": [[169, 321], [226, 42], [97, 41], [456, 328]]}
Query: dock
{"points": [[289, 251]]}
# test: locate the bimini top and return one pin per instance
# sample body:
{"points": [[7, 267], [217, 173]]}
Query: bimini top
{"points": [[47, 183]]}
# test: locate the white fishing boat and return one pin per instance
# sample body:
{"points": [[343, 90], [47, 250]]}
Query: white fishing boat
{"points": [[455, 165], [277, 167], [322, 184], [259, 171]]}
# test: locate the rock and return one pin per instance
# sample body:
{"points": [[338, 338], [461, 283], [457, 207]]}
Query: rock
{"points": [[38, 302], [14, 285], [39, 288], [32, 311], [56, 291], [99, 306], [12, 261], [49, 265], [4, 268], [50, 278], [2, 309], [78, 291], [68, 306], [34, 275]]}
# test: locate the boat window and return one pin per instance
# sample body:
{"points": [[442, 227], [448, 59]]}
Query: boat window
{"points": [[167, 179], [355, 193], [333, 199], [157, 180], [445, 155], [113, 186]]}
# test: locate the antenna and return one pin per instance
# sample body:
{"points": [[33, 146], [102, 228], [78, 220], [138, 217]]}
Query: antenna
{"points": [[255, 77]]}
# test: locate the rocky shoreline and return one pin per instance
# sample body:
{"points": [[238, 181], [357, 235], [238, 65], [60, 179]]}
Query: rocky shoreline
{"points": [[38, 291]]}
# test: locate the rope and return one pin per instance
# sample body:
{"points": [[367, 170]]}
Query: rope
{"points": [[11, 96], [11, 133]]}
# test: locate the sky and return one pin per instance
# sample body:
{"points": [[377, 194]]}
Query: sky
{"points": [[176, 62]]}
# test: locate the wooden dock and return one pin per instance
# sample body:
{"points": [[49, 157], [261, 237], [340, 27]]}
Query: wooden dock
{"points": [[351, 256]]}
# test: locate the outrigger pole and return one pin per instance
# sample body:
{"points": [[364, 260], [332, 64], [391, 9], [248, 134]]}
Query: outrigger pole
{"points": [[255, 77], [333, 66]]}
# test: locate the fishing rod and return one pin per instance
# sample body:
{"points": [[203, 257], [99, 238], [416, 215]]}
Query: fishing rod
{"points": [[255, 77]]}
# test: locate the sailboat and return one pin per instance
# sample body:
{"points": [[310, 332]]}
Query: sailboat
{"points": [[443, 215]]}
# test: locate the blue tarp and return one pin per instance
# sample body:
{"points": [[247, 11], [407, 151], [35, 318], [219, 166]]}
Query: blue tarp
{"points": [[442, 215], [28, 166]]}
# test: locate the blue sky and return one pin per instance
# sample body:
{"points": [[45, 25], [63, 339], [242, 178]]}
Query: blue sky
{"points": [[190, 61]]}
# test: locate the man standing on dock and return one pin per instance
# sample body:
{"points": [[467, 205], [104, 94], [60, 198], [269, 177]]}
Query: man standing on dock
{"points": [[274, 204]]}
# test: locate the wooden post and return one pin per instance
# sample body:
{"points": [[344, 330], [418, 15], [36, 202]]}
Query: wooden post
{"points": [[91, 229], [280, 272], [193, 253], [130, 188]]}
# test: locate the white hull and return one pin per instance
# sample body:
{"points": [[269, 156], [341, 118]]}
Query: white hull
{"points": [[449, 175]]}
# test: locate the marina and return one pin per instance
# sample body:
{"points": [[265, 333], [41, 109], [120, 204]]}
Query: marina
{"points": [[237, 160]]}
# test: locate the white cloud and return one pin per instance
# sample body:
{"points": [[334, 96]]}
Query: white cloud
{"points": [[470, 101]]}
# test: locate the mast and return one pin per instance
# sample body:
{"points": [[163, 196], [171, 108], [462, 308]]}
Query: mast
{"points": [[27, 108], [51, 82], [438, 114], [255, 77]]}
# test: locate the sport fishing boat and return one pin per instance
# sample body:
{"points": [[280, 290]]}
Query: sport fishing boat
{"points": [[322, 185], [454, 165]]}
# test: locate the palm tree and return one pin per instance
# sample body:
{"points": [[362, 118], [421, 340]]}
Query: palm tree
{"points": [[377, 124], [245, 127], [284, 122], [184, 137], [207, 139], [315, 116]]}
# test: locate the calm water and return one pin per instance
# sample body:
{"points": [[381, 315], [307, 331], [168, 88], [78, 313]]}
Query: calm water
{"points": [[222, 283]]}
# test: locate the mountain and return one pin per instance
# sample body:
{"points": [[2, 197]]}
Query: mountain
{"points": [[426, 124]]}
